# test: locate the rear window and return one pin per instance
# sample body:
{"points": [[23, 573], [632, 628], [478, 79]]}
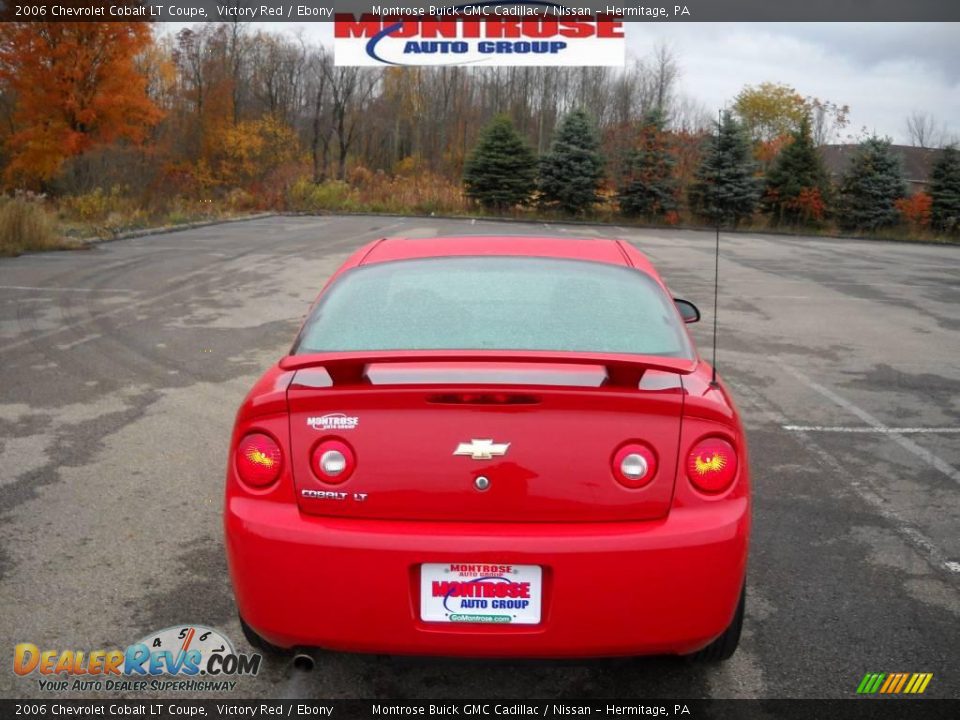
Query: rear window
{"points": [[495, 303]]}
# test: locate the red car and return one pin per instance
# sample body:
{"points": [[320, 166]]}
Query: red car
{"points": [[491, 446]]}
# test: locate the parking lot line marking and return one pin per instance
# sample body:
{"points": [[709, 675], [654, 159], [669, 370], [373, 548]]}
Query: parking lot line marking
{"points": [[881, 430], [53, 288], [81, 341], [906, 443], [924, 546]]}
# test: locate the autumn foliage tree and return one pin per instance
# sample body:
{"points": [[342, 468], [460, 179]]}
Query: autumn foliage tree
{"points": [[769, 111], [797, 184], [773, 112], [649, 187], [915, 210], [74, 86]]}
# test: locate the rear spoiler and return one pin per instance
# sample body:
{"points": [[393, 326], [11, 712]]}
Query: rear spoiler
{"points": [[351, 368]]}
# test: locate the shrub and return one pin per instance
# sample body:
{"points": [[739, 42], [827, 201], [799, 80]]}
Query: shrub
{"points": [[97, 206], [915, 210], [306, 196], [240, 199], [26, 225]]}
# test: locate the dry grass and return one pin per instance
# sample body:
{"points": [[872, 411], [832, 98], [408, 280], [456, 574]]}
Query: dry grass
{"points": [[25, 226], [109, 213], [420, 194]]}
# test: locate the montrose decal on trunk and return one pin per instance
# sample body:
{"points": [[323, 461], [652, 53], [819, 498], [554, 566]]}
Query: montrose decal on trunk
{"points": [[333, 421], [493, 33]]}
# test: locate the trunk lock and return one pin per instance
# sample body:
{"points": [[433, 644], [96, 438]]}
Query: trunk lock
{"points": [[481, 483]]}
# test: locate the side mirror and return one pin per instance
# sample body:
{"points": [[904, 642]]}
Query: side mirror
{"points": [[688, 311]]}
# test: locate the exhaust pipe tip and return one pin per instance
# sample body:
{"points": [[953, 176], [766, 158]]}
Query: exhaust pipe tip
{"points": [[303, 661]]}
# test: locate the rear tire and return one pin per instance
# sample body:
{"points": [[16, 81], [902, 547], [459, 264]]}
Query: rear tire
{"points": [[724, 646]]}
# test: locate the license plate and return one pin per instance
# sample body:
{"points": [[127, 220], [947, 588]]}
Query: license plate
{"points": [[481, 593]]}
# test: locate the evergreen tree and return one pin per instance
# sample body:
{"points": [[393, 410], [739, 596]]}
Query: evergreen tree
{"points": [[571, 172], [649, 187], [501, 170], [945, 191], [870, 188], [797, 184], [725, 189]]}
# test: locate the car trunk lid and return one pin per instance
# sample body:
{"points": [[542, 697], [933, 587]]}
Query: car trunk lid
{"points": [[543, 434]]}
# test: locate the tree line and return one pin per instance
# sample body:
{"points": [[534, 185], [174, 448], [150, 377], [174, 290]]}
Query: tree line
{"points": [[227, 113], [726, 189], [227, 103]]}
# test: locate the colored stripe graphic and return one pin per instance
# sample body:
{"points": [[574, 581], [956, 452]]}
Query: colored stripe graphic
{"points": [[892, 679], [903, 680], [894, 683], [870, 683]]}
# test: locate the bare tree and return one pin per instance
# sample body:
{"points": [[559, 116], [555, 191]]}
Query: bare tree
{"points": [[321, 129], [923, 131], [666, 72], [656, 78], [690, 116], [277, 76], [350, 89], [236, 47], [827, 119]]}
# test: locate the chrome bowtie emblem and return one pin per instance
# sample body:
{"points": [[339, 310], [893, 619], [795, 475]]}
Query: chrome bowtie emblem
{"points": [[482, 449]]}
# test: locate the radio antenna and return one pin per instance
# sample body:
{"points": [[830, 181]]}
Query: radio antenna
{"points": [[716, 251]]}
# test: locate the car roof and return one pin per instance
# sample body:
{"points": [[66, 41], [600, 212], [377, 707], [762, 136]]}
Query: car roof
{"points": [[603, 250]]}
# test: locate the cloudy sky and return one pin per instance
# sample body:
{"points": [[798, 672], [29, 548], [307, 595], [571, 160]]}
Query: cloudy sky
{"points": [[883, 71]]}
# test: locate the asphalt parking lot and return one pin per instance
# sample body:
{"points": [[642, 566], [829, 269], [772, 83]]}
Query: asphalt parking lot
{"points": [[121, 369]]}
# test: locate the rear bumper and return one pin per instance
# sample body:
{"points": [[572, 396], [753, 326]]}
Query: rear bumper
{"points": [[668, 586]]}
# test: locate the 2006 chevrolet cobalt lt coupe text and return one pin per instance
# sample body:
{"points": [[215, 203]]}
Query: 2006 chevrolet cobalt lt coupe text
{"points": [[491, 446]]}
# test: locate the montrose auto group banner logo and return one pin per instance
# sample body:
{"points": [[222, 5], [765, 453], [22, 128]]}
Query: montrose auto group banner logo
{"points": [[481, 34]]}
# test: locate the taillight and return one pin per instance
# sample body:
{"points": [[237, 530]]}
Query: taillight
{"points": [[258, 460], [333, 461], [634, 465], [712, 465]]}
